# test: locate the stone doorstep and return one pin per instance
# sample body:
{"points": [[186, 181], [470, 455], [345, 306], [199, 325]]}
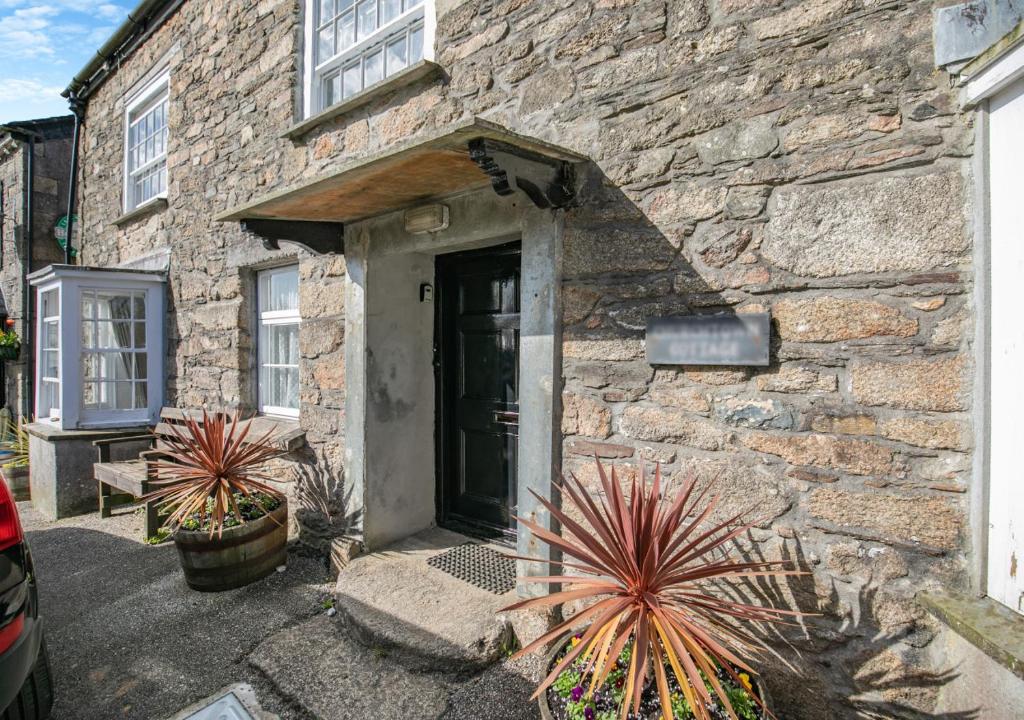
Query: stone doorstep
{"points": [[424, 618], [995, 630]]}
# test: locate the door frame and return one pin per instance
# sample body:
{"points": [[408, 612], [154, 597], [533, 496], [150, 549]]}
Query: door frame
{"points": [[442, 411]]}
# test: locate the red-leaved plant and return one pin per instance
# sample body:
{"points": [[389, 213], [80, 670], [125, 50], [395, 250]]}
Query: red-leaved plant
{"points": [[645, 565], [210, 459]]}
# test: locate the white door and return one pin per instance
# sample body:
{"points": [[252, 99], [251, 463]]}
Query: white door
{"points": [[1006, 500]]}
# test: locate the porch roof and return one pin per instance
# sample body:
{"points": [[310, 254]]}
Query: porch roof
{"points": [[465, 156]]}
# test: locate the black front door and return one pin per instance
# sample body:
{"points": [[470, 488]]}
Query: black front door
{"points": [[478, 418]]}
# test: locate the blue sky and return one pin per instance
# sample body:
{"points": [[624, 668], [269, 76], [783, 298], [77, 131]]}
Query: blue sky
{"points": [[43, 44]]}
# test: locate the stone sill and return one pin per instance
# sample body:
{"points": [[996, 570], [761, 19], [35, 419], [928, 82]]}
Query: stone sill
{"points": [[413, 73], [992, 628], [52, 433], [147, 208]]}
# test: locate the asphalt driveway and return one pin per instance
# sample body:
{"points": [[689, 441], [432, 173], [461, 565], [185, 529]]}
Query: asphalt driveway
{"points": [[128, 638]]}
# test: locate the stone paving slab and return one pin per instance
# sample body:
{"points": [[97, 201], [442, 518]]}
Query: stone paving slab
{"points": [[319, 667]]}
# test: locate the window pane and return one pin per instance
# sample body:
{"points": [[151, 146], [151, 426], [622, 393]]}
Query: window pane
{"points": [[49, 303], [325, 41], [347, 31], [282, 290], [50, 400], [140, 335], [51, 364], [389, 10], [90, 395], [367, 12], [88, 334], [140, 307], [113, 335], [412, 3], [141, 370], [326, 10], [344, 5], [396, 57], [51, 336], [416, 44], [373, 69], [281, 345], [353, 80], [281, 387], [141, 400], [90, 366], [115, 366]]}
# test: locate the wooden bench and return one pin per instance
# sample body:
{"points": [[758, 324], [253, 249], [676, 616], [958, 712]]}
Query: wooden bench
{"points": [[134, 478]]}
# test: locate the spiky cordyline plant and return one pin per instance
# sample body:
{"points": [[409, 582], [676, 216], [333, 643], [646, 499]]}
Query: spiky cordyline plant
{"points": [[214, 460], [646, 563]]}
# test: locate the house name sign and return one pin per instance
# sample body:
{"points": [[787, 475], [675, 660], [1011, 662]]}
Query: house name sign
{"points": [[722, 339]]}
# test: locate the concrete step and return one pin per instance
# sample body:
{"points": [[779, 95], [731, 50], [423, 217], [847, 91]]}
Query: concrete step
{"points": [[422, 617]]}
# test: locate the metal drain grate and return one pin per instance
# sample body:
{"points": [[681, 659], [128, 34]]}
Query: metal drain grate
{"points": [[478, 565], [227, 707]]}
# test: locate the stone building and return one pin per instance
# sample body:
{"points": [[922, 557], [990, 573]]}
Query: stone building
{"points": [[42, 148], [356, 205]]}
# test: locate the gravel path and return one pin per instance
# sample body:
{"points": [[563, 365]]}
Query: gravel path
{"points": [[128, 638]]}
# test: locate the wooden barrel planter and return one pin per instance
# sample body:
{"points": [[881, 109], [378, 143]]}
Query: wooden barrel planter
{"points": [[242, 555]]}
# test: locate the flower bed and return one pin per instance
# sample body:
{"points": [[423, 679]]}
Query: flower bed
{"points": [[567, 697]]}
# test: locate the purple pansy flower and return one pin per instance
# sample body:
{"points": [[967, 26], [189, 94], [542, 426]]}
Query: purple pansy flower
{"points": [[577, 693], [589, 713]]}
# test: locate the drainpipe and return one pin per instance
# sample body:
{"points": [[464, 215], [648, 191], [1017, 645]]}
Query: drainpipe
{"points": [[28, 374], [77, 108]]}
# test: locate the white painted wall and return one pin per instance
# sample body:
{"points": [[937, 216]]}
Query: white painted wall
{"points": [[1006, 484]]}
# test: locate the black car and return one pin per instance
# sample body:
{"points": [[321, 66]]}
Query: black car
{"points": [[26, 690]]}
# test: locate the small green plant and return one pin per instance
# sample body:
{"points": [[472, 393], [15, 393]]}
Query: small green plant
{"points": [[10, 339], [14, 446], [161, 535], [327, 604]]}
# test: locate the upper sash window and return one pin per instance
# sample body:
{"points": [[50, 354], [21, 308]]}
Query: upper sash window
{"points": [[146, 144], [356, 44]]}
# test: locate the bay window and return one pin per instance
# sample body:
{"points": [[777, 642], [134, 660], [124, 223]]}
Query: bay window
{"points": [[146, 144], [355, 44], [101, 346], [278, 341]]}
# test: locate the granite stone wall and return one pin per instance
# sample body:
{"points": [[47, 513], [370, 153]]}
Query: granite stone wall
{"points": [[798, 157], [51, 168]]}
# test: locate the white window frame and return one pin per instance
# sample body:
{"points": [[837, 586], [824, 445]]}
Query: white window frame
{"points": [[266, 318], [996, 495], [151, 94], [423, 15], [45, 380], [72, 281]]}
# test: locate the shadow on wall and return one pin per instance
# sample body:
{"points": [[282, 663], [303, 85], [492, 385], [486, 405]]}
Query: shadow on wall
{"points": [[324, 505], [682, 251], [885, 676]]}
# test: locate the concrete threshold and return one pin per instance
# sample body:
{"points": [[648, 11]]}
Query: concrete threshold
{"points": [[423, 617]]}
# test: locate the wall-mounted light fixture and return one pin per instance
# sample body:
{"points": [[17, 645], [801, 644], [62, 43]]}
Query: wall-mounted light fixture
{"points": [[426, 219]]}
